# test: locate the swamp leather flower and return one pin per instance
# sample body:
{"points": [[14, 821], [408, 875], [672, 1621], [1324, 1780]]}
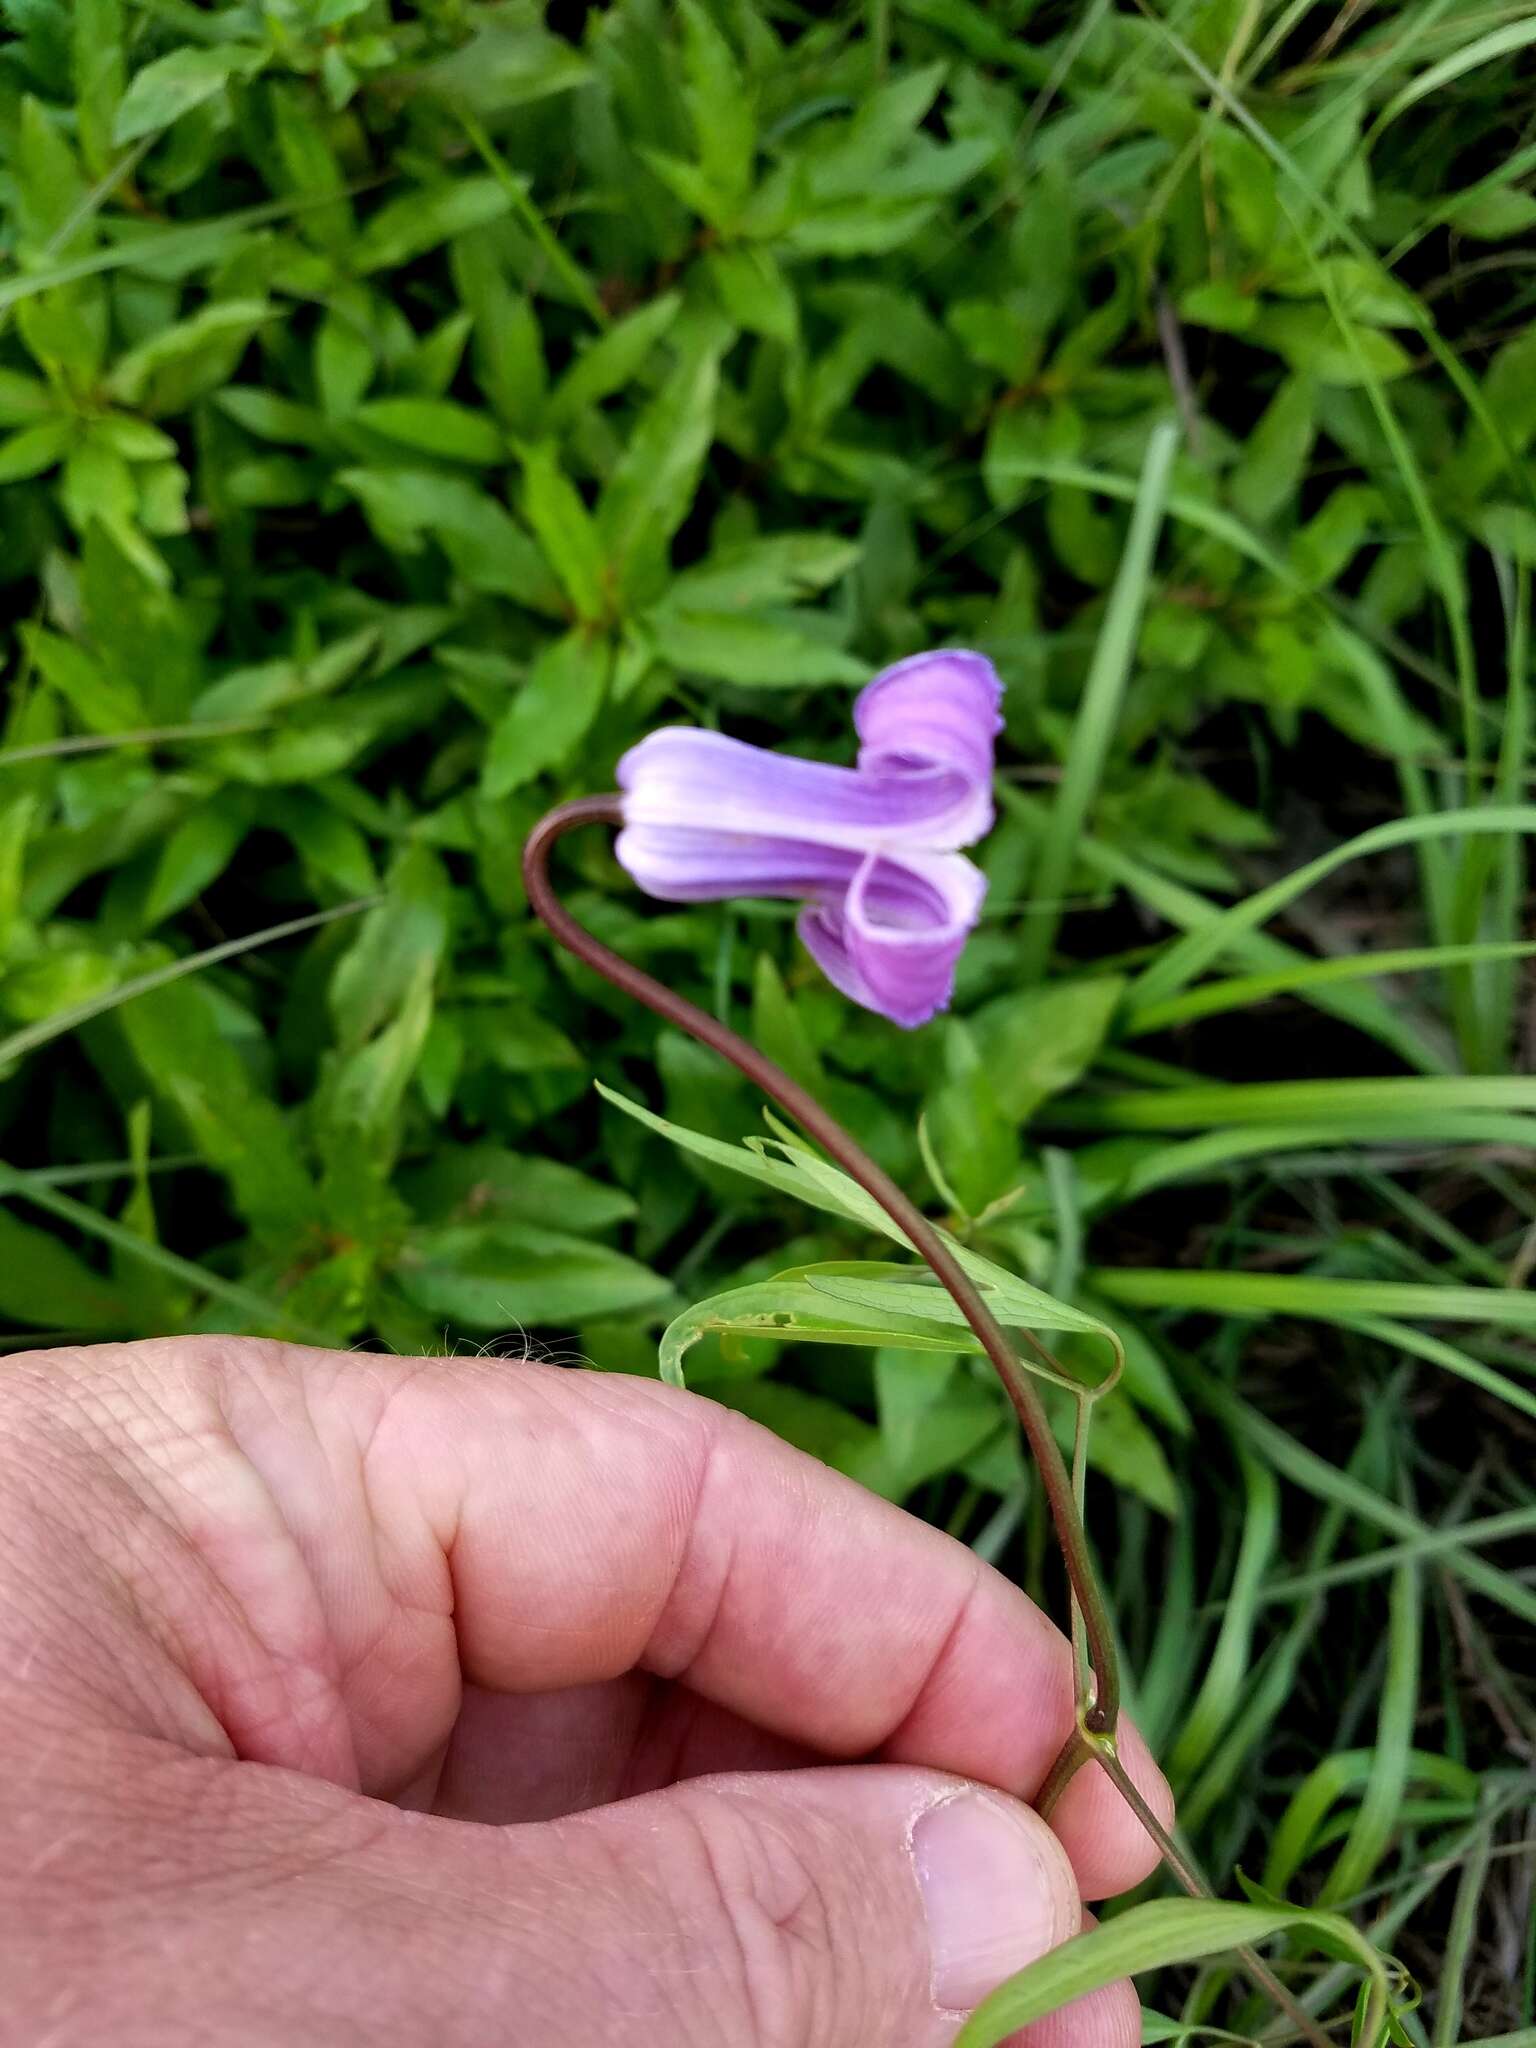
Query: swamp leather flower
{"points": [[872, 851]]}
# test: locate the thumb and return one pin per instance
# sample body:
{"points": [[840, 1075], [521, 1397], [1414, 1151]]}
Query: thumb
{"points": [[858, 1907]]}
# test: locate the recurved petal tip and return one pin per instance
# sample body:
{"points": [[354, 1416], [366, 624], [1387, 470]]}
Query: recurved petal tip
{"points": [[938, 710], [893, 942]]}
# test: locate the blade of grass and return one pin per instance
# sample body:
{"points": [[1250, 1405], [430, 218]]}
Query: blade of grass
{"points": [[1357, 246], [1152, 1936], [1182, 961], [33, 1035], [1364, 1008], [1227, 1674], [1471, 1260], [1336, 1777], [1316, 1476], [151, 736], [1459, 1939], [1483, 49], [1098, 714], [1312, 1296], [1398, 1096], [1212, 1154], [268, 1315], [1435, 1351], [1376, 1822], [1214, 998], [1472, 1535]]}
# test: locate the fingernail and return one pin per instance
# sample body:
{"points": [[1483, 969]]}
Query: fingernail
{"points": [[993, 1894]]}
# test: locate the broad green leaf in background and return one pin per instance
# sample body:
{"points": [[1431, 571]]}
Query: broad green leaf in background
{"points": [[648, 495], [498, 1275], [176, 83], [550, 714], [191, 1068], [44, 1284], [564, 529]]}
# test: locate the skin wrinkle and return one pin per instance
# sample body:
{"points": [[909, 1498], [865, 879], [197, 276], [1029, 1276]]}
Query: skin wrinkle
{"points": [[107, 1591], [937, 1664], [746, 1919], [661, 1655], [533, 1394]]}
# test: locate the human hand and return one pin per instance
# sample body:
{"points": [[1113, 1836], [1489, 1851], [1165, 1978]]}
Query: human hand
{"points": [[281, 1631]]}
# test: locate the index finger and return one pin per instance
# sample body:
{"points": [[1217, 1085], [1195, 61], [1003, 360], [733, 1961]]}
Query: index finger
{"points": [[594, 1523]]}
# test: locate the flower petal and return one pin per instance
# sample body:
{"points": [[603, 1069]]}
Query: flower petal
{"points": [[893, 941], [683, 775], [686, 864], [871, 850], [940, 712]]}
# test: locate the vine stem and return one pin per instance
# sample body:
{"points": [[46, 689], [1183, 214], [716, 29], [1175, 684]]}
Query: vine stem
{"points": [[1101, 1713], [1093, 1738]]}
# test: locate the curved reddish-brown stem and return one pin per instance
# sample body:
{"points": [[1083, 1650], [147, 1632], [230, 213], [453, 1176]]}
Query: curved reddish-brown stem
{"points": [[914, 1226]]}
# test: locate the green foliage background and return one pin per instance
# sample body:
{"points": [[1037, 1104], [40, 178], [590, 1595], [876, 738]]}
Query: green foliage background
{"points": [[405, 407]]}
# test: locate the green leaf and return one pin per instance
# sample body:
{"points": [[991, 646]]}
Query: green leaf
{"points": [[43, 1283], [789, 1310], [932, 1418], [508, 346], [173, 85], [100, 36], [35, 449], [1494, 216], [974, 1140], [272, 684], [1219, 304], [565, 530], [408, 227], [374, 976], [272, 417], [506, 65], [651, 489], [777, 568], [171, 370], [1312, 340], [495, 1276], [491, 1181], [196, 853], [612, 361], [192, 1068], [811, 1179], [23, 399], [825, 1429], [550, 715], [100, 703], [754, 291], [894, 1290], [358, 1105], [1273, 458], [435, 426], [720, 105], [1159, 1935], [758, 653], [331, 845], [1040, 1041], [483, 541]]}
